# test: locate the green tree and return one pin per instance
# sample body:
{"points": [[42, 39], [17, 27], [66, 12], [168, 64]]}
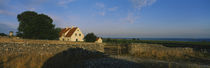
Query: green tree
{"points": [[90, 37], [36, 26], [55, 34], [3, 34]]}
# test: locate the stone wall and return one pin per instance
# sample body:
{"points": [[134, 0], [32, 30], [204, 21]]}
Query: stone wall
{"points": [[160, 52], [22, 55]]}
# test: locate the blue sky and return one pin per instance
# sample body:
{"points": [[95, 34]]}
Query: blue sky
{"points": [[118, 18]]}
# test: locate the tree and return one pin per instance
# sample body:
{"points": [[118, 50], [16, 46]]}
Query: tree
{"points": [[36, 26], [55, 34], [3, 34], [90, 37]]}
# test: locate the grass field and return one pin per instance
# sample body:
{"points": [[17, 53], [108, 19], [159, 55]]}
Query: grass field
{"points": [[195, 45], [195, 52], [155, 51], [28, 53]]}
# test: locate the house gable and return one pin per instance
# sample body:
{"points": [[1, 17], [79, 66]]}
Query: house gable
{"points": [[71, 34], [64, 31]]}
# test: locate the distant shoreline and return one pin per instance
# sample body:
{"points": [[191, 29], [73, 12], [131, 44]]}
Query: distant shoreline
{"points": [[172, 39]]}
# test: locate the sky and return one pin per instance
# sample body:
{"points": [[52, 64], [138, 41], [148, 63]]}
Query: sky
{"points": [[117, 18]]}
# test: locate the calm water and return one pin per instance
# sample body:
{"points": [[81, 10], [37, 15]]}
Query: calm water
{"points": [[174, 39], [179, 39]]}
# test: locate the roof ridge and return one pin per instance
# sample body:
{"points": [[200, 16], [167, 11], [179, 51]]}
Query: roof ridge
{"points": [[71, 31]]}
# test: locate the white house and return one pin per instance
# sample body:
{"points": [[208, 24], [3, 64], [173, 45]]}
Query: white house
{"points": [[98, 40], [11, 33], [71, 34]]}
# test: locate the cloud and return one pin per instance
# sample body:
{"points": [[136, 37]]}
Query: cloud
{"points": [[3, 3], [62, 21], [11, 25], [100, 5], [5, 27], [57, 20], [9, 9], [32, 9], [5, 12], [64, 3], [103, 9], [113, 8], [4, 7], [139, 4], [30, 3], [130, 18], [102, 13]]}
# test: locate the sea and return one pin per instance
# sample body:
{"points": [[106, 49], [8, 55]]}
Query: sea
{"points": [[174, 39], [179, 39]]}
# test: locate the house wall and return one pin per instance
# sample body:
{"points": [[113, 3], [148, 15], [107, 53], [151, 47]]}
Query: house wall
{"points": [[10, 33], [99, 40], [77, 35], [65, 38]]}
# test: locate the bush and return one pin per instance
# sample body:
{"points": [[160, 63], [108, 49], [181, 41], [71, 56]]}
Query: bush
{"points": [[90, 37], [3, 34]]}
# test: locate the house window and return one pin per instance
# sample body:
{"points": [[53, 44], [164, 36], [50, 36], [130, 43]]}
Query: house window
{"points": [[75, 34], [79, 34]]}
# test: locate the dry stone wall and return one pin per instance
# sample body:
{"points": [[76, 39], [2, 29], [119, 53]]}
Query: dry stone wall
{"points": [[22, 55]]}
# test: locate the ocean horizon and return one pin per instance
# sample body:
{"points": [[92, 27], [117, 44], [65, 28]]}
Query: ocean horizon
{"points": [[173, 39]]}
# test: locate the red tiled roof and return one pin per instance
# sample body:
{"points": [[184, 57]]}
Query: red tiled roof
{"points": [[64, 31], [97, 38], [70, 33]]}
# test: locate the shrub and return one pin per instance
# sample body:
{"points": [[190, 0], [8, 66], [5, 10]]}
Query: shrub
{"points": [[3, 34], [90, 37]]}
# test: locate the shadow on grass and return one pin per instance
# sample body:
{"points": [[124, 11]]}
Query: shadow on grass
{"points": [[1, 64], [80, 58]]}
